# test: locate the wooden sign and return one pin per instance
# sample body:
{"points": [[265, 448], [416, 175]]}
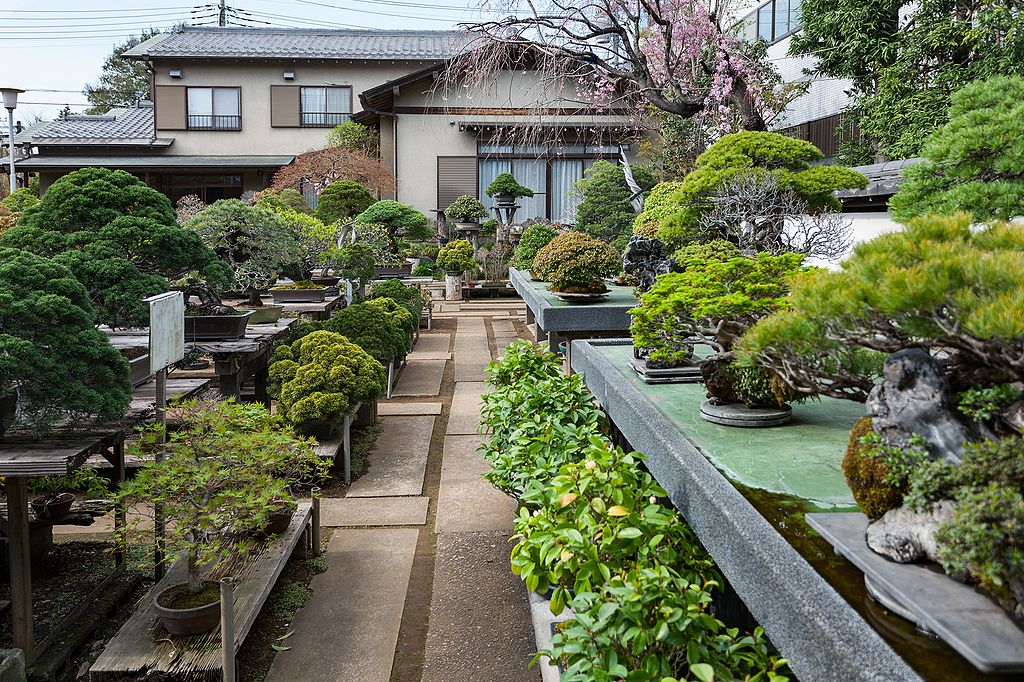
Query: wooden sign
{"points": [[166, 329]]}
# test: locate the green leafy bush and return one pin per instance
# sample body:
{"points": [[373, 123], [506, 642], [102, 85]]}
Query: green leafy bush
{"points": [[287, 199], [456, 256], [372, 329], [410, 296], [355, 137], [119, 237], [534, 238], [398, 312], [506, 183], [575, 262], [984, 404], [397, 218], [465, 209], [321, 377], [694, 256], [23, 198], [426, 268], [605, 210], [317, 242], [342, 200], [968, 164]]}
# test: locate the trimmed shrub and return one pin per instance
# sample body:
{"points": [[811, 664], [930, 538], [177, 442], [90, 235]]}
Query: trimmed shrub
{"points": [[506, 183], [605, 210], [576, 262], [465, 209], [398, 218], [456, 256], [534, 238], [23, 198], [342, 200]]}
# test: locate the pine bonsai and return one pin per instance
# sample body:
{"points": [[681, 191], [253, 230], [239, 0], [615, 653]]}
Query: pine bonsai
{"points": [[380, 241], [356, 263], [119, 237], [285, 199], [342, 200], [52, 359], [456, 256], [465, 209], [534, 238], [506, 183], [606, 211], [372, 329], [399, 313], [397, 218], [574, 262]]}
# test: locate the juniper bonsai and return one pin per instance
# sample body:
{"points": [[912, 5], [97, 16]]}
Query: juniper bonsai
{"points": [[506, 183], [534, 238], [398, 218], [465, 209], [342, 200]]}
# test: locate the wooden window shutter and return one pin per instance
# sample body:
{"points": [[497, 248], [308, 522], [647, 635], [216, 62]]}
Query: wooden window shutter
{"points": [[456, 175], [284, 106], [170, 107]]}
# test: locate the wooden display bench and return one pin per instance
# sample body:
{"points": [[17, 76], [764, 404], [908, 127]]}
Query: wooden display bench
{"points": [[142, 649]]}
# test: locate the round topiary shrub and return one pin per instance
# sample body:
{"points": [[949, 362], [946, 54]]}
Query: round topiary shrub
{"points": [[409, 296], [868, 475], [534, 238], [398, 313], [456, 256], [372, 329], [320, 378], [465, 209], [342, 200], [575, 262]]}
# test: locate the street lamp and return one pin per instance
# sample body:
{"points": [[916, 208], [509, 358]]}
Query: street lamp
{"points": [[10, 96]]}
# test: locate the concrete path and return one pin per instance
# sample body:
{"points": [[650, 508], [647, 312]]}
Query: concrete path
{"points": [[420, 378], [464, 419], [471, 350], [392, 409], [373, 511], [397, 460], [466, 501]]}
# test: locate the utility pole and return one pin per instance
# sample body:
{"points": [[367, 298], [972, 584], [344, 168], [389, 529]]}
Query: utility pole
{"points": [[222, 17]]}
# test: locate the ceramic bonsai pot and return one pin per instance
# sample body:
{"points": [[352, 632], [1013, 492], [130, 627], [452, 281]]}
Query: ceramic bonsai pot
{"points": [[299, 295], [467, 227], [742, 416], [264, 314], [278, 523], [505, 199], [54, 508], [580, 297], [392, 273], [185, 622], [216, 327]]}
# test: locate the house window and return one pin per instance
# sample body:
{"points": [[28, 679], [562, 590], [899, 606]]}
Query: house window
{"points": [[776, 19], [214, 109], [325, 107]]}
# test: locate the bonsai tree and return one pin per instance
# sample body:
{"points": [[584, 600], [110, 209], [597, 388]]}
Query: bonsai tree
{"points": [[254, 242], [285, 199], [372, 329], [465, 209], [317, 242], [575, 262], [119, 237], [318, 168], [54, 364], [23, 198], [605, 210], [188, 207], [224, 472], [409, 296], [534, 238], [673, 209], [342, 200], [399, 313], [397, 218], [320, 378], [968, 164], [355, 137], [456, 257], [356, 263], [505, 185], [378, 238]]}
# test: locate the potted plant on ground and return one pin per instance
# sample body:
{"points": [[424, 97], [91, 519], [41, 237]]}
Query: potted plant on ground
{"points": [[454, 258], [223, 475], [466, 212], [505, 190], [575, 264]]}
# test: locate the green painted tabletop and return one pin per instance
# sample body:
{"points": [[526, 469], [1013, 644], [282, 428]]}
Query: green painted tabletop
{"points": [[616, 298], [801, 459]]}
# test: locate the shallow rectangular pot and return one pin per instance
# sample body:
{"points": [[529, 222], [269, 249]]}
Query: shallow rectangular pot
{"points": [[216, 327], [390, 273], [299, 295]]}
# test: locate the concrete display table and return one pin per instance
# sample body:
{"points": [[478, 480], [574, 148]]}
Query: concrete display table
{"points": [[812, 625], [556, 321]]}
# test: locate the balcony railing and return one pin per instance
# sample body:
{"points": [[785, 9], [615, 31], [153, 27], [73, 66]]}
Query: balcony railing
{"points": [[322, 120], [214, 122]]}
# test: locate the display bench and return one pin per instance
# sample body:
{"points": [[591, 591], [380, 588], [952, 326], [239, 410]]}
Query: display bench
{"points": [[818, 630], [311, 310]]}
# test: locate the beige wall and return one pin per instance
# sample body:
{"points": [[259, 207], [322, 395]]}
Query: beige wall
{"points": [[257, 136]]}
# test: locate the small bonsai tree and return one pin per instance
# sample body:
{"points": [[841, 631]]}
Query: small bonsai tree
{"points": [[53, 361], [317, 242], [505, 184], [534, 238], [968, 164], [398, 218], [256, 243], [283, 200], [321, 167], [409, 296], [321, 377], [372, 329], [223, 474], [605, 210], [575, 262], [342, 200], [378, 238], [456, 256], [119, 237], [399, 313], [355, 137], [356, 263], [465, 209]]}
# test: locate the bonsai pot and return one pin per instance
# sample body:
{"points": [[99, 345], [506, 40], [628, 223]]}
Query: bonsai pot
{"points": [[278, 523], [140, 370], [197, 365], [187, 621], [504, 198], [54, 508], [320, 430], [264, 314], [579, 296], [299, 295], [391, 273], [216, 327], [467, 227]]}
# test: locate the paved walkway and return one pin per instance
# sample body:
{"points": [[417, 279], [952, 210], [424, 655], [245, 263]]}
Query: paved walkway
{"points": [[418, 586]]}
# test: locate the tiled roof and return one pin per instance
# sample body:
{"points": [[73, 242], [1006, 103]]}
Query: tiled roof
{"points": [[267, 43], [131, 125], [883, 179]]}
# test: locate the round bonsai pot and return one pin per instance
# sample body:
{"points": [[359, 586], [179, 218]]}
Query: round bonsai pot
{"points": [[188, 621], [264, 314], [278, 523], [579, 297], [742, 416], [56, 507]]}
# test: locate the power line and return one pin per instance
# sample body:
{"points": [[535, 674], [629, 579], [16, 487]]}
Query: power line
{"points": [[86, 11]]}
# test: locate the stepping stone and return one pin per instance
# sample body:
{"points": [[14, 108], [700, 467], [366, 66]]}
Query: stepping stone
{"points": [[397, 459], [506, 335], [502, 326], [348, 630], [471, 352], [480, 625], [464, 418], [392, 409], [432, 343], [420, 378], [373, 511], [502, 343], [466, 501]]}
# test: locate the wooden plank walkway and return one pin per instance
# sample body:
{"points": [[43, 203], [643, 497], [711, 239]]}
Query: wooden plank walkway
{"points": [[143, 649]]}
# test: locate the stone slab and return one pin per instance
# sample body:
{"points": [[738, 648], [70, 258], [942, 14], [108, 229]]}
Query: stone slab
{"points": [[432, 343], [543, 629], [348, 630], [466, 501], [964, 617], [394, 409], [420, 378], [480, 628], [554, 315], [397, 460], [373, 511], [464, 418], [506, 335], [502, 326]]}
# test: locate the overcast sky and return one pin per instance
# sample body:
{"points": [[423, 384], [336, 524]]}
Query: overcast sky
{"points": [[52, 46]]}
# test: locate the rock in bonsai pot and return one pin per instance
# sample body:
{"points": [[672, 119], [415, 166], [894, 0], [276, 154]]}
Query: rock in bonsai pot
{"points": [[52, 506], [298, 292], [183, 613]]}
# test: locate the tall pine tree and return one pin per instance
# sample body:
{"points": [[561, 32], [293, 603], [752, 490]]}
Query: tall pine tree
{"points": [[122, 81]]}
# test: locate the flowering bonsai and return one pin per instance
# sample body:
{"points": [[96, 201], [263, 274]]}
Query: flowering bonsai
{"points": [[465, 209], [575, 263], [456, 257], [320, 378], [505, 188]]}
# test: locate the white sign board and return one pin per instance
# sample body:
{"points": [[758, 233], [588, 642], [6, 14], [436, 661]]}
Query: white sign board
{"points": [[166, 329]]}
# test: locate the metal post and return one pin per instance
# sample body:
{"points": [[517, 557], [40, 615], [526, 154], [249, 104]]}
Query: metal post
{"points": [[227, 628], [346, 446], [158, 510], [315, 523], [10, 146], [391, 378], [21, 564], [120, 510]]}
